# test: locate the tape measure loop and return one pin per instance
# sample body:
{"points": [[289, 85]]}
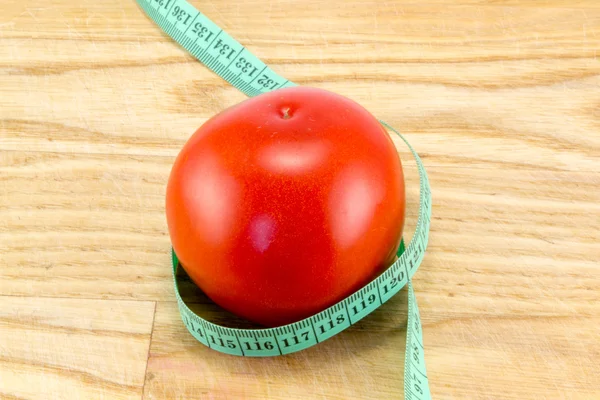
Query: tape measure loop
{"points": [[232, 61]]}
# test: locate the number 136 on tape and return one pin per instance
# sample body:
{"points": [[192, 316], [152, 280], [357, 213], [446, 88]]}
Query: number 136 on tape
{"points": [[234, 63]]}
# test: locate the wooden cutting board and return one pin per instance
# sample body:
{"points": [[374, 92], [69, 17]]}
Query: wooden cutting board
{"points": [[501, 98]]}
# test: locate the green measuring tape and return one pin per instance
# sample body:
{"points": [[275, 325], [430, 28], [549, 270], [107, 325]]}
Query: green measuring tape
{"points": [[233, 62]]}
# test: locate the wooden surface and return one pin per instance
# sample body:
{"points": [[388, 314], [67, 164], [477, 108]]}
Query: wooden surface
{"points": [[500, 97]]}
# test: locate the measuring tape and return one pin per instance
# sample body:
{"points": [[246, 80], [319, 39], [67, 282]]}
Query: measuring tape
{"points": [[233, 62]]}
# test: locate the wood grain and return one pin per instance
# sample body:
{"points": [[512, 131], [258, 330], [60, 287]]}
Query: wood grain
{"points": [[73, 349], [500, 97]]}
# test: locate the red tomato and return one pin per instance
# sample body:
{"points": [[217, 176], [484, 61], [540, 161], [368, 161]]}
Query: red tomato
{"points": [[286, 203]]}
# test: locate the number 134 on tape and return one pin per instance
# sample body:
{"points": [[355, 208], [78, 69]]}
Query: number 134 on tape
{"points": [[234, 63]]}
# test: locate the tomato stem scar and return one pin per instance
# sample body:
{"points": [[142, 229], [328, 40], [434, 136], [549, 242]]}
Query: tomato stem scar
{"points": [[285, 113]]}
